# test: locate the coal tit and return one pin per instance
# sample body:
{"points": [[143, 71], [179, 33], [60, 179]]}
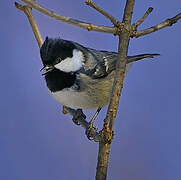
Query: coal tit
{"points": [[80, 77]]}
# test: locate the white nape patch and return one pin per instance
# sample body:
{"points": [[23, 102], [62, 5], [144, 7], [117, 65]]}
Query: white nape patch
{"points": [[106, 63], [71, 64]]}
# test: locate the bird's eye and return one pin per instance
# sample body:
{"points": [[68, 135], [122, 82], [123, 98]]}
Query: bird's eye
{"points": [[57, 60]]}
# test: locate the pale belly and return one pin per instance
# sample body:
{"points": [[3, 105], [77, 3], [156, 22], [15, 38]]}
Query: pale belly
{"points": [[80, 100]]}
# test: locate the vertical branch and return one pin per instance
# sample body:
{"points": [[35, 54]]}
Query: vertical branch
{"points": [[124, 39], [104, 146], [103, 160]]}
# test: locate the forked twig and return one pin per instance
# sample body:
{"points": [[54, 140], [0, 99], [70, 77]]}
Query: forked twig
{"points": [[113, 30], [139, 22], [84, 25], [115, 21], [167, 23]]}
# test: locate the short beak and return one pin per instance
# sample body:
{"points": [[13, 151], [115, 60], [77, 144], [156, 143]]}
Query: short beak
{"points": [[46, 69]]}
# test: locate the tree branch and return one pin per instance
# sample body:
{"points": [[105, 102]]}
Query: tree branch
{"points": [[166, 23], [104, 147], [84, 25], [139, 22], [103, 12], [105, 29], [28, 11]]}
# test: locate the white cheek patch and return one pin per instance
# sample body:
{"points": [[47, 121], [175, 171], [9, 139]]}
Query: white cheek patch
{"points": [[71, 64]]}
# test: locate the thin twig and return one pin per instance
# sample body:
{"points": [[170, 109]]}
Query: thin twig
{"points": [[139, 22], [104, 147], [166, 23], [105, 29], [28, 11], [103, 12], [84, 25]]}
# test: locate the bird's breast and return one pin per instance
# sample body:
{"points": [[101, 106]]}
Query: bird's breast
{"points": [[91, 95]]}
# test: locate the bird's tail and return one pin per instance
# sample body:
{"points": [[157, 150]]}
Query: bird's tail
{"points": [[139, 57]]}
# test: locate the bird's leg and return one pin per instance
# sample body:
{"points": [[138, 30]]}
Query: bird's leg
{"points": [[92, 121], [79, 118], [92, 128]]}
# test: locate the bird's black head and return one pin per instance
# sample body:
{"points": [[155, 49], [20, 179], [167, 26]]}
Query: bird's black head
{"points": [[61, 60], [55, 50], [61, 54]]}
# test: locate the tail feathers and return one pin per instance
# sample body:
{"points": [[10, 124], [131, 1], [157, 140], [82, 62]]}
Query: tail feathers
{"points": [[139, 57]]}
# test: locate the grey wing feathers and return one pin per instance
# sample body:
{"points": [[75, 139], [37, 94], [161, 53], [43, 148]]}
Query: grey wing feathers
{"points": [[103, 62]]}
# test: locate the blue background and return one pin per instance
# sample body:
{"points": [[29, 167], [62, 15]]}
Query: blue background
{"points": [[38, 142]]}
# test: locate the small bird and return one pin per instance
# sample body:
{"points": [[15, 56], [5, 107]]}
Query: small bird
{"points": [[80, 77]]}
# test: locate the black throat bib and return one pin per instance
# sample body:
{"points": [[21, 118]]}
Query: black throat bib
{"points": [[57, 80]]}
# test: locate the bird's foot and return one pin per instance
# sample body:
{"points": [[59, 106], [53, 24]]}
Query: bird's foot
{"points": [[78, 116], [91, 131]]}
